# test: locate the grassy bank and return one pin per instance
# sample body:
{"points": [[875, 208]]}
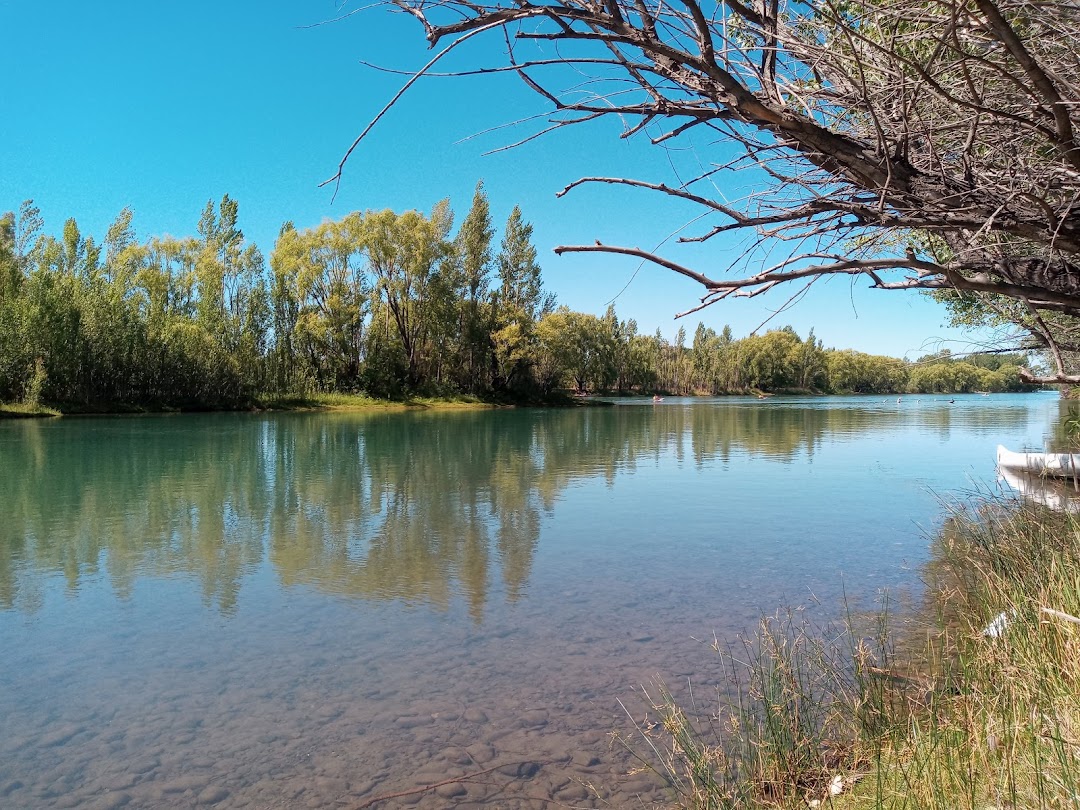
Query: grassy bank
{"points": [[973, 702], [312, 402], [295, 402], [20, 410], [358, 402]]}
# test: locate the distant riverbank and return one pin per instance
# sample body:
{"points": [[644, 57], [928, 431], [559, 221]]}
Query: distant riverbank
{"points": [[324, 402], [21, 411], [298, 402], [362, 402]]}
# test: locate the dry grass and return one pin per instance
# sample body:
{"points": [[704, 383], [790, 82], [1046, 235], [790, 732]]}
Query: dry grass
{"points": [[17, 410], [359, 402]]}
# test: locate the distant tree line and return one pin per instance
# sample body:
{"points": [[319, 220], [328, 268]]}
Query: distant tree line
{"points": [[604, 354], [377, 302]]}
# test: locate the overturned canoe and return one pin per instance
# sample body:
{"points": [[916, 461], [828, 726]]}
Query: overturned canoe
{"points": [[1055, 464]]}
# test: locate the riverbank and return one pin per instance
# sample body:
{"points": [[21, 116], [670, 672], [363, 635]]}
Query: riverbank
{"points": [[18, 410], [972, 701], [305, 402], [361, 402]]}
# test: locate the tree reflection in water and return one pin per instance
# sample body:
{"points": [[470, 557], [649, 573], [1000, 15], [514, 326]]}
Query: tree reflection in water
{"points": [[415, 506]]}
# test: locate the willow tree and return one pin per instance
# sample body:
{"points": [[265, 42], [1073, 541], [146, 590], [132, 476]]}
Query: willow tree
{"points": [[473, 249], [926, 145], [320, 297], [405, 253]]}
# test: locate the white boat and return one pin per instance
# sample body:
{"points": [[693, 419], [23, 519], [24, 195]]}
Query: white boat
{"points": [[1058, 465], [1053, 493]]}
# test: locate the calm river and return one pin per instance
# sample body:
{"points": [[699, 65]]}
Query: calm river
{"points": [[319, 610]]}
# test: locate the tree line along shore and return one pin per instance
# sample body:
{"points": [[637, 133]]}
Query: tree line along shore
{"points": [[377, 305]]}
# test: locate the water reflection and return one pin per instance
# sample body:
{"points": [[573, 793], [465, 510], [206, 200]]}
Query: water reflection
{"points": [[406, 506], [1056, 494], [403, 506]]}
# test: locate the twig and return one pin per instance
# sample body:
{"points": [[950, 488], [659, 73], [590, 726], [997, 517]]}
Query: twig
{"points": [[1057, 614]]}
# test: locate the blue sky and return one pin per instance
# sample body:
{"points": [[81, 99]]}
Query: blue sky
{"points": [[162, 106]]}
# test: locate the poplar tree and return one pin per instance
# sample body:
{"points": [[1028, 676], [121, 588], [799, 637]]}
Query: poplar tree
{"points": [[473, 248], [520, 304]]}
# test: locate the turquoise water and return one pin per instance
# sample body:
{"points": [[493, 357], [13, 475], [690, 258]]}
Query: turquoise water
{"points": [[317, 610]]}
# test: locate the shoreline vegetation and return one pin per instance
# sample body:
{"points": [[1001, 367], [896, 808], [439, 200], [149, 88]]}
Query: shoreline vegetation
{"points": [[354, 402], [969, 702], [276, 403], [314, 402], [376, 304]]}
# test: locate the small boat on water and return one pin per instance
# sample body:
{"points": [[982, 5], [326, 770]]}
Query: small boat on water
{"points": [[1064, 465]]}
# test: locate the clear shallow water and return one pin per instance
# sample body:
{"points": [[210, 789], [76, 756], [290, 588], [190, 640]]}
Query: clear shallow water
{"points": [[314, 610]]}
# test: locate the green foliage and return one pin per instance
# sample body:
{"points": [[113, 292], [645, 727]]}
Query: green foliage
{"points": [[122, 323], [517, 305], [318, 299], [854, 372], [970, 309], [36, 384], [473, 251], [520, 284], [988, 372], [575, 349], [385, 303]]}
